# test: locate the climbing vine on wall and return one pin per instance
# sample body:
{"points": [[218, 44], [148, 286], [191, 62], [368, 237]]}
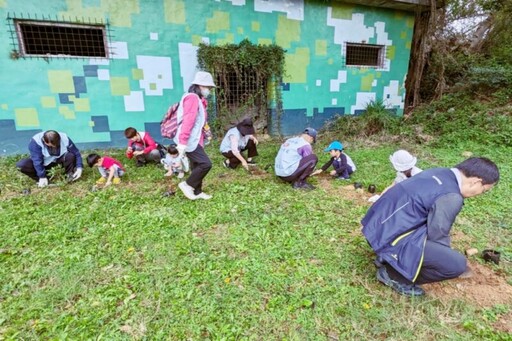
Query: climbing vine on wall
{"points": [[248, 79]]}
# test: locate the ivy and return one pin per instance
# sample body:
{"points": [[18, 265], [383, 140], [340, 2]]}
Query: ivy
{"points": [[265, 64]]}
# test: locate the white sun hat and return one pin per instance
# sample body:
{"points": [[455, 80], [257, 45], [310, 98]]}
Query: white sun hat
{"points": [[402, 160], [203, 78]]}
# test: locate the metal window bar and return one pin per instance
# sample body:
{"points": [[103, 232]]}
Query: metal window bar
{"points": [[46, 38], [241, 92], [364, 55]]}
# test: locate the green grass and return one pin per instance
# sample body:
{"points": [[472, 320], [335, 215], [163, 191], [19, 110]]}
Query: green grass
{"points": [[258, 261]]}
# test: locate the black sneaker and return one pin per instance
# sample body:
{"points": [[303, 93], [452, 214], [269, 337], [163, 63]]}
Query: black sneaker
{"points": [[297, 185], [379, 262], [225, 164], [402, 288], [307, 185], [252, 162], [140, 163]]}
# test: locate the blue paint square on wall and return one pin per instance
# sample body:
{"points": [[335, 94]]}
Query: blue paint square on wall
{"points": [[64, 98], [80, 86], [286, 86], [91, 70], [100, 124]]}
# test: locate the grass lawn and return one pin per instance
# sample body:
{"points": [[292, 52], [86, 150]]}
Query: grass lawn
{"points": [[258, 261]]}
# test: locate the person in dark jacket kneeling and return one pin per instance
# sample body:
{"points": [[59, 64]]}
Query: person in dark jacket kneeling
{"points": [[409, 226], [47, 150]]}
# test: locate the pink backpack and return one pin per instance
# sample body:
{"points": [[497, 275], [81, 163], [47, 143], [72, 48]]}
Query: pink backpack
{"points": [[169, 124]]}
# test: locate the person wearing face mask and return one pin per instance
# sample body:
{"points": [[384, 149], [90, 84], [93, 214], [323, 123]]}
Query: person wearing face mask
{"points": [[237, 140], [409, 227], [47, 150], [191, 118]]}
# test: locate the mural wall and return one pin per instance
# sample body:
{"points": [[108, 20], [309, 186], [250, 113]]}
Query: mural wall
{"points": [[153, 48]]}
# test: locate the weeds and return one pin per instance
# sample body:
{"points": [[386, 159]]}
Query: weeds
{"points": [[258, 261]]}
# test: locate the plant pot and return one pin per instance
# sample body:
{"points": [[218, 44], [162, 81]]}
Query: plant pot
{"points": [[358, 185], [491, 256], [372, 189]]}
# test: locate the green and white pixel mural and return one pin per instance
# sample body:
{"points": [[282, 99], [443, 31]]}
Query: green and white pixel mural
{"points": [[152, 61]]}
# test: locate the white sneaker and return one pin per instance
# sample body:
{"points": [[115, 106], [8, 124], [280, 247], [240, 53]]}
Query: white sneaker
{"points": [[187, 190], [204, 196], [181, 175]]}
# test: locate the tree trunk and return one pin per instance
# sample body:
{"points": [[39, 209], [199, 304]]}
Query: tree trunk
{"points": [[480, 34], [424, 24]]}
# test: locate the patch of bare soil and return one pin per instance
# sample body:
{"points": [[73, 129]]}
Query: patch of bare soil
{"points": [[484, 289], [504, 324], [347, 190]]}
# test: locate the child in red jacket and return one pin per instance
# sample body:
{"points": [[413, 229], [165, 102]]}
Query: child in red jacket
{"points": [[142, 146]]}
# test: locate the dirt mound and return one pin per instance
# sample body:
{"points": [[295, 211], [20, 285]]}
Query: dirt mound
{"points": [[484, 289], [346, 190]]}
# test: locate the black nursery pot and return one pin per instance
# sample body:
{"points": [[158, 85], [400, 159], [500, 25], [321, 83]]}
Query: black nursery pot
{"points": [[358, 185], [372, 189], [491, 256]]}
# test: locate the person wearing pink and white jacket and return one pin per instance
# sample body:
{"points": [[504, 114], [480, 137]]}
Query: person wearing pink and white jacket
{"points": [[192, 117]]}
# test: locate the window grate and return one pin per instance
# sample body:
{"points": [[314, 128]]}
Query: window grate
{"points": [[366, 55], [54, 38], [240, 92]]}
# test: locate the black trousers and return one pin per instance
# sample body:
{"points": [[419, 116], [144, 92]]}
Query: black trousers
{"points": [[251, 152], [200, 164], [67, 161], [306, 166], [439, 263]]}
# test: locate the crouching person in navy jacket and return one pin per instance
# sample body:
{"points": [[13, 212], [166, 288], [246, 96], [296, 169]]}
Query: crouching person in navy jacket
{"points": [[409, 226], [47, 150]]}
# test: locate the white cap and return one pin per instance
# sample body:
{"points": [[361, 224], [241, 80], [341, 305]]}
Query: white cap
{"points": [[402, 160], [203, 78]]}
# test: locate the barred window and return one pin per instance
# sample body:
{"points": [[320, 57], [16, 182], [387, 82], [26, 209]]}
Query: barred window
{"points": [[368, 55], [45, 38]]}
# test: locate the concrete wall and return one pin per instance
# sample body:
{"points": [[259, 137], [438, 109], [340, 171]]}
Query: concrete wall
{"points": [[154, 44]]}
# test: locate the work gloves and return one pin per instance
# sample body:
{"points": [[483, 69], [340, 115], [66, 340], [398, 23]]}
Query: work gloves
{"points": [[43, 182]]}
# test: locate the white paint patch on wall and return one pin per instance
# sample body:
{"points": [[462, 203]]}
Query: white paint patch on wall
{"points": [[103, 74], [99, 61], [362, 100], [153, 36], [294, 9], [157, 74], [335, 83], [134, 101], [391, 96], [119, 50], [237, 2], [188, 63], [349, 30]]}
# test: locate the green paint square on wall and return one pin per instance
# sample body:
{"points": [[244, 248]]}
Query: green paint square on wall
{"points": [[5, 106], [48, 102], [61, 81], [82, 105], [137, 74], [255, 26], [263, 41], [152, 86], [67, 113], [321, 47], [119, 86], [26, 117], [196, 40]]}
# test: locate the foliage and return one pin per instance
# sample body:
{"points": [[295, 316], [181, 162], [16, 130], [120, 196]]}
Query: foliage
{"points": [[246, 73], [258, 261], [458, 118], [376, 119]]}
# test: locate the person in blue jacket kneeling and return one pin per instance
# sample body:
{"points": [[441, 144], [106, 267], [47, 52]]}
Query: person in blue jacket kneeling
{"points": [[47, 150], [409, 226]]}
